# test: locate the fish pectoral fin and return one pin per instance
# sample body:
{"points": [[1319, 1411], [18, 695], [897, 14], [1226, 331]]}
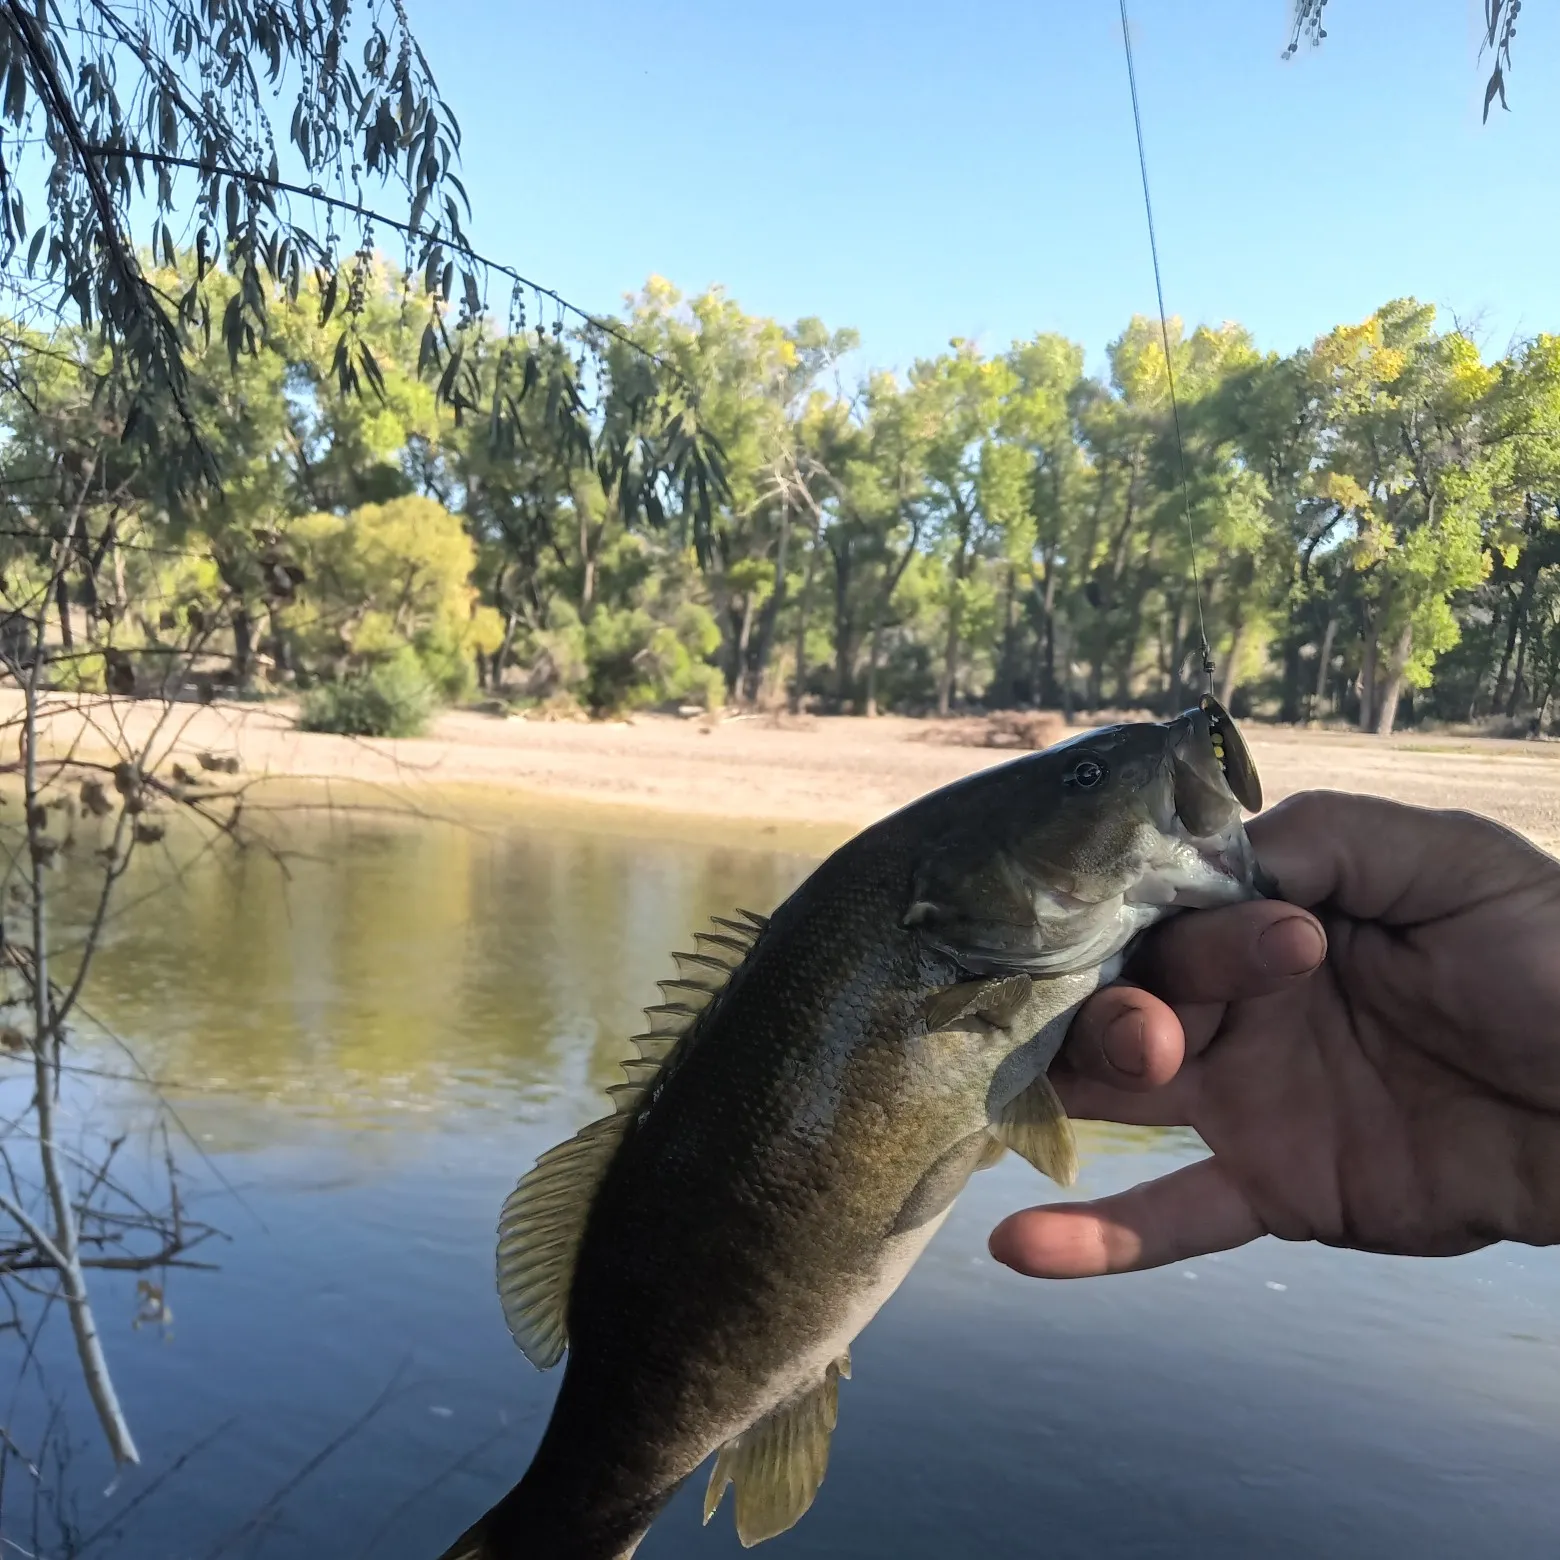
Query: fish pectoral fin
{"points": [[778, 1463], [1035, 1126], [997, 1001]]}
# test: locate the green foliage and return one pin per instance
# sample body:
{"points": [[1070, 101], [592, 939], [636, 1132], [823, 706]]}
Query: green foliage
{"points": [[991, 528], [392, 698]]}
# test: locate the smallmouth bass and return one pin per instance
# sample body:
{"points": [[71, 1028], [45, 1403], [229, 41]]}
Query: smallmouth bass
{"points": [[814, 1093]]}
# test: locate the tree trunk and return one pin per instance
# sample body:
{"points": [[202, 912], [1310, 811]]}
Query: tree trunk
{"points": [[62, 601], [1368, 681], [1002, 683], [844, 625], [1514, 700], [950, 669], [736, 677], [63, 1246], [799, 687], [758, 664], [588, 545], [945, 681], [243, 647], [880, 612], [1231, 679], [874, 654], [1392, 692], [281, 647], [1543, 708], [1066, 687], [1323, 663], [1289, 692], [501, 655], [1046, 693], [1519, 612]]}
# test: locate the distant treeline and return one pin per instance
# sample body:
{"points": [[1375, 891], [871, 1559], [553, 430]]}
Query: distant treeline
{"points": [[724, 520]]}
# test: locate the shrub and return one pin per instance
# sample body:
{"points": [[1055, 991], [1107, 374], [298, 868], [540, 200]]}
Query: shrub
{"points": [[392, 699]]}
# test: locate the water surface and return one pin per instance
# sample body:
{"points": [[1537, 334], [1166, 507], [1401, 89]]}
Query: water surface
{"points": [[372, 1048]]}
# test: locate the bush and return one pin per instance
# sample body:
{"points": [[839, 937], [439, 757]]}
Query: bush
{"points": [[393, 699]]}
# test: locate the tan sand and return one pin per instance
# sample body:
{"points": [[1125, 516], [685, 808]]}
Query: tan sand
{"points": [[813, 781]]}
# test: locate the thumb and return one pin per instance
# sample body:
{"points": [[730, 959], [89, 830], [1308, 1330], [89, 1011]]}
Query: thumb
{"points": [[1187, 1213]]}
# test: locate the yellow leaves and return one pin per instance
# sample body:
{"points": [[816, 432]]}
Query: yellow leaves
{"points": [[1341, 489], [485, 631], [383, 575]]}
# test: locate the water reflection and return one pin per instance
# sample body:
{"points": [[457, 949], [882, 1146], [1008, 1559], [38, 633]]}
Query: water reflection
{"points": [[398, 970], [372, 1047]]}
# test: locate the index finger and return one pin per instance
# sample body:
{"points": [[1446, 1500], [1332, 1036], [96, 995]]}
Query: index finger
{"points": [[1225, 955], [1386, 861]]}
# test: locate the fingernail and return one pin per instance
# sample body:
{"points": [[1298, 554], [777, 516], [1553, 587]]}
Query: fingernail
{"points": [[1122, 1043], [1293, 946]]}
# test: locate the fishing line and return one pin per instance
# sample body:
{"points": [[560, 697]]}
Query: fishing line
{"points": [[1164, 333]]}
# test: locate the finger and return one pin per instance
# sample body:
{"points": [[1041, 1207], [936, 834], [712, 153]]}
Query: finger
{"points": [[1185, 1214], [1087, 1099], [1125, 1038], [1248, 950], [1380, 860], [1124, 1059]]}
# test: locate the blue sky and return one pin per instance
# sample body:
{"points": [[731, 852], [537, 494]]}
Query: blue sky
{"points": [[922, 170]]}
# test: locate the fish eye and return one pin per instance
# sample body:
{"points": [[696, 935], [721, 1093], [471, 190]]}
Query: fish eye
{"points": [[1086, 774]]}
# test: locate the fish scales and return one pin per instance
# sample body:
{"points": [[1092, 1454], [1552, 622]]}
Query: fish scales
{"points": [[886, 1034]]}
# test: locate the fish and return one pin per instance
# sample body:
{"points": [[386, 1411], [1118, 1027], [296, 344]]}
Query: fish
{"points": [[813, 1094]]}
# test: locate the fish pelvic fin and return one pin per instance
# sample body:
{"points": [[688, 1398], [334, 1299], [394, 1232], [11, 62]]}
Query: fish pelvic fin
{"points": [[1035, 1125], [777, 1464]]}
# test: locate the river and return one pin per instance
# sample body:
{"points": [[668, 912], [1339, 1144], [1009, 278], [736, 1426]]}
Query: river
{"points": [[370, 1047]]}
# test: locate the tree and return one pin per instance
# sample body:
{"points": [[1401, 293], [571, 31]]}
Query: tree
{"points": [[145, 115], [1500, 27], [1408, 466], [973, 486], [1041, 416]]}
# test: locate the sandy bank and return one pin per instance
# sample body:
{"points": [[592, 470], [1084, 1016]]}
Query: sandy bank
{"points": [[814, 781]]}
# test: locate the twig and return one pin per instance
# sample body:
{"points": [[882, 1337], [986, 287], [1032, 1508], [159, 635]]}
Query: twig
{"points": [[312, 1465]]}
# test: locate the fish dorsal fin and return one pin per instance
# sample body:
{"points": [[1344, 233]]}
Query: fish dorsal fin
{"points": [[1035, 1126], [778, 1463], [543, 1219]]}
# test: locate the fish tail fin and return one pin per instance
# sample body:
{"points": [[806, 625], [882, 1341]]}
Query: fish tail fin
{"points": [[511, 1531]]}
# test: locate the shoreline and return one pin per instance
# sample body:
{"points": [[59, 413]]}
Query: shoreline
{"points": [[804, 784]]}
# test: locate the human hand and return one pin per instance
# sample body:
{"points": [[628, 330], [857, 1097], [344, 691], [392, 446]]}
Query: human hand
{"points": [[1401, 1096]]}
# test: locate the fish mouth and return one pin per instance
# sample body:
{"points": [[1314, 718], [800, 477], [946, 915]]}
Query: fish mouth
{"points": [[1206, 777]]}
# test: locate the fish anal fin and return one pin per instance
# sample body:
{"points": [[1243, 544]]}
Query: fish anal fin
{"points": [[777, 1464], [1035, 1126], [539, 1233]]}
